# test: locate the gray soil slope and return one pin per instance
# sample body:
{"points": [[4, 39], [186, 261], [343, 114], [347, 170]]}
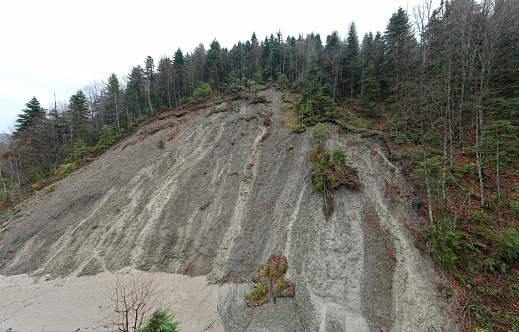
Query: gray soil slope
{"points": [[225, 194]]}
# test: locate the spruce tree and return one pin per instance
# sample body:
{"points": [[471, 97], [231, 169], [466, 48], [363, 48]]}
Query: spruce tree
{"points": [[310, 91], [351, 62], [135, 93], [400, 43], [165, 83], [370, 93], [179, 76], [149, 75], [79, 111], [112, 103], [214, 61], [28, 119]]}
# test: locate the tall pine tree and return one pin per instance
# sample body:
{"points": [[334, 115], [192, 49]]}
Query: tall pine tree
{"points": [[79, 116], [30, 116]]}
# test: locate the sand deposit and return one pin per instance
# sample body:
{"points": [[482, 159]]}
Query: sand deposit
{"points": [[66, 304]]}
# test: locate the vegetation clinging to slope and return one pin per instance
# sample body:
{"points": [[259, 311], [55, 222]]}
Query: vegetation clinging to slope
{"points": [[447, 91]]}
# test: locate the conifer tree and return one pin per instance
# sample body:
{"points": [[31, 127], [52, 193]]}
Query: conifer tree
{"points": [[149, 75], [351, 61], [214, 61], [112, 102], [165, 83], [310, 91], [135, 92], [370, 92], [179, 76], [31, 113], [400, 43], [333, 53], [79, 119]]}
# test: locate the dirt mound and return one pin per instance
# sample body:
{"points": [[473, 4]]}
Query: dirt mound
{"points": [[216, 194]]}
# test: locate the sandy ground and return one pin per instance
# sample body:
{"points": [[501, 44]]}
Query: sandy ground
{"points": [[56, 304]]}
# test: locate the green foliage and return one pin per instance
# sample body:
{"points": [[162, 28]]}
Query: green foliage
{"points": [[49, 188], [289, 97], [28, 119], [329, 168], [400, 138], [485, 319], [282, 283], [107, 136], [499, 143], [204, 91], [236, 87], [443, 239], [283, 80], [17, 206], [79, 151], [508, 247], [319, 155], [481, 215], [338, 157], [491, 264], [319, 135], [258, 295], [160, 321], [79, 111], [214, 62], [315, 99], [112, 102], [271, 274], [513, 290], [371, 93], [486, 233], [65, 170]]}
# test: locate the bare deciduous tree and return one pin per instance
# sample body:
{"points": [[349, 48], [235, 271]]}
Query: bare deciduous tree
{"points": [[133, 301]]}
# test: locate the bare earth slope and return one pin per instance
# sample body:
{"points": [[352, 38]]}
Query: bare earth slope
{"points": [[222, 197]]}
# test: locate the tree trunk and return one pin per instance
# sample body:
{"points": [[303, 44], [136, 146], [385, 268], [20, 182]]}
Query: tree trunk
{"points": [[479, 163], [497, 167]]}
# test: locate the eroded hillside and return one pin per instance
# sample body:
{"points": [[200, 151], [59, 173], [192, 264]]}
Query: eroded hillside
{"points": [[216, 194]]}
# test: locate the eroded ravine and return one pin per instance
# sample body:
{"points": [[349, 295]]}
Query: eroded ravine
{"points": [[228, 191]]}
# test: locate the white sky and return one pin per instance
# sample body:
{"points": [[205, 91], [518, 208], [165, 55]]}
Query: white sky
{"points": [[59, 46]]}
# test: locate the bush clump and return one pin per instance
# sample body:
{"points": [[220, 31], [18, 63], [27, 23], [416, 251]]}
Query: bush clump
{"points": [[329, 169], [507, 248], [271, 282], [160, 321], [443, 238]]}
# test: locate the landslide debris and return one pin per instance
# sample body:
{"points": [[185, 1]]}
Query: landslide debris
{"points": [[216, 194]]}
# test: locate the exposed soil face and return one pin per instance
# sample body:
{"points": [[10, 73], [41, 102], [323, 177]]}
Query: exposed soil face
{"points": [[227, 192]]}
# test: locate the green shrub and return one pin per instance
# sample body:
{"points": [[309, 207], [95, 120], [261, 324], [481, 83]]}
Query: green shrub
{"points": [[201, 93], [486, 233], [513, 290], [508, 247], [49, 188], [258, 296], [79, 151], [480, 215], [65, 170], [338, 157], [160, 321], [443, 239]]}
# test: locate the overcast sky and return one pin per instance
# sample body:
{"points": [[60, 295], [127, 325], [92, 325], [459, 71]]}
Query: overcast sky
{"points": [[55, 46]]}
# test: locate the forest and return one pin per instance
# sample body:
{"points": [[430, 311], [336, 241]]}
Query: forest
{"points": [[440, 84]]}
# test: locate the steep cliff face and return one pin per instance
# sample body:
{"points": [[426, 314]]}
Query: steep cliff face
{"points": [[223, 195]]}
